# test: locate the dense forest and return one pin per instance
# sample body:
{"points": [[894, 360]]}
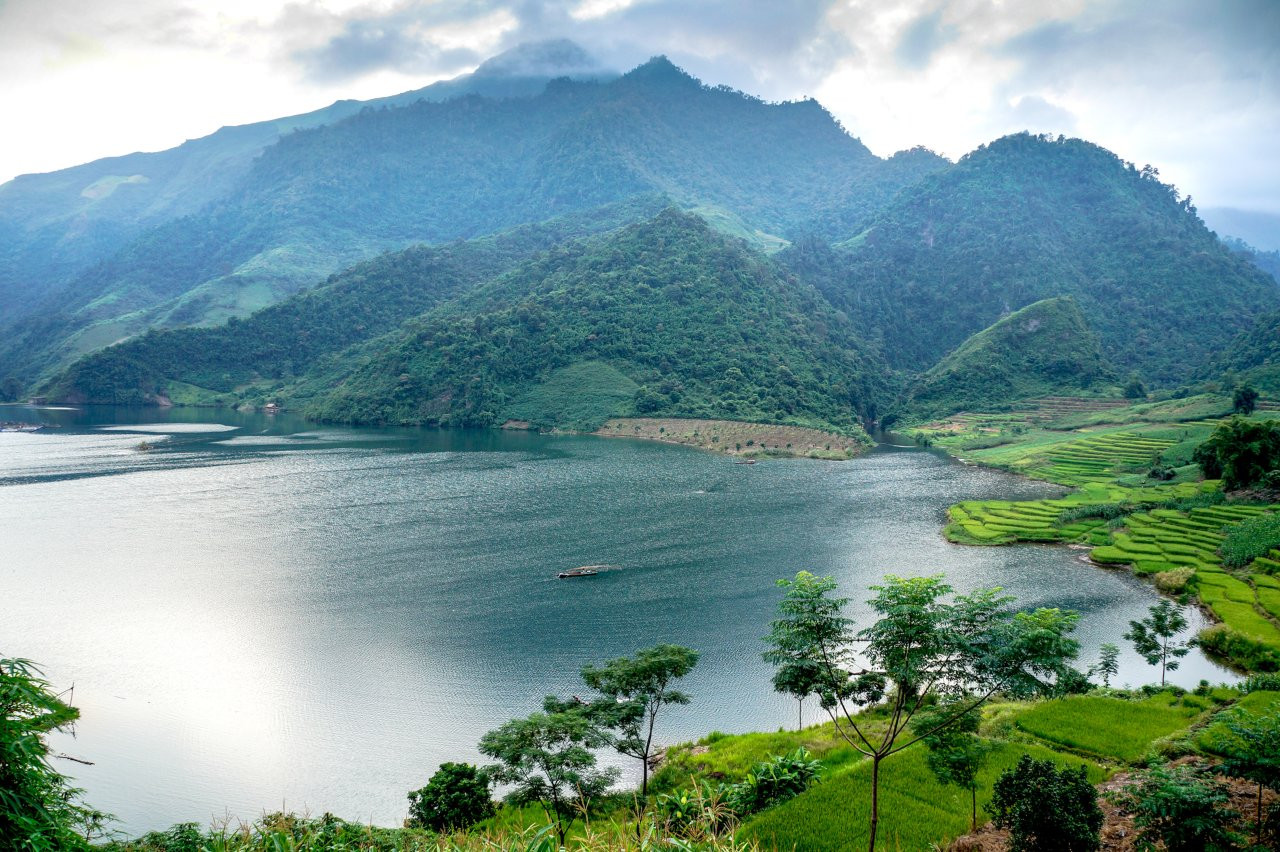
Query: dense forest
{"points": [[1029, 217], [668, 316]]}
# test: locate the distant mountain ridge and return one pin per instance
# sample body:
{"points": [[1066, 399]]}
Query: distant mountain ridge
{"points": [[54, 224], [323, 198]]}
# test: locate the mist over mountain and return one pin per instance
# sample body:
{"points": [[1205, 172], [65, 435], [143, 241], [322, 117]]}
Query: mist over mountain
{"points": [[643, 244]]}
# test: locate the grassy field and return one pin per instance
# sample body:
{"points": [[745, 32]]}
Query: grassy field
{"points": [[915, 810], [1138, 503], [1111, 728]]}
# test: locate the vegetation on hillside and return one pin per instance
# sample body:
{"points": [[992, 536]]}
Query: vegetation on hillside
{"points": [[1043, 349], [702, 327], [1026, 218]]}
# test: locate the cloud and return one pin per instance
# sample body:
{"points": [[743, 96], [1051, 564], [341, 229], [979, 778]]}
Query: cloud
{"points": [[921, 39]]}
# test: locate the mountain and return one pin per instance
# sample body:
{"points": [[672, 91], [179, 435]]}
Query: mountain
{"points": [[1267, 261], [57, 224], [1252, 226], [1027, 218], [253, 357], [1044, 349], [665, 317], [1254, 356], [323, 198]]}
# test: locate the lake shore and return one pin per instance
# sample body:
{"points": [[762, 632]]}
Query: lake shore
{"points": [[738, 438]]}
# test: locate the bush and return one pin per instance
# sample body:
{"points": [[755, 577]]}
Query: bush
{"points": [[456, 797], [1046, 809], [773, 781], [1249, 539], [1182, 808], [1244, 650], [1241, 452]]}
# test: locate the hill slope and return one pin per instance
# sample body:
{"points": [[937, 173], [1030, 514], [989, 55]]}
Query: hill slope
{"points": [[57, 224], [661, 318], [1045, 349], [323, 198], [286, 339], [1254, 356], [1027, 218]]}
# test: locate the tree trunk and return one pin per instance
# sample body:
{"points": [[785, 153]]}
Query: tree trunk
{"points": [[800, 723], [973, 808], [875, 800], [1258, 831]]}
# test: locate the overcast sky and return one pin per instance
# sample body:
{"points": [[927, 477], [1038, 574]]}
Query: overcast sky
{"points": [[1190, 86]]}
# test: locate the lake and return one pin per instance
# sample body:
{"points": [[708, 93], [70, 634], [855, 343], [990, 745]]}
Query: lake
{"points": [[259, 613]]}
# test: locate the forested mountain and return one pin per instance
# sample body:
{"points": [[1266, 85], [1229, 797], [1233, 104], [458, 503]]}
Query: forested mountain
{"points": [[56, 224], [1026, 218], [287, 339], [666, 317], [1045, 349], [1254, 356], [323, 198]]}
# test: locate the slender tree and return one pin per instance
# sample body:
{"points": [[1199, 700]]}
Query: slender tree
{"points": [[808, 619], [635, 689], [548, 757], [1253, 752], [922, 646], [956, 752], [1108, 665], [1155, 637]]}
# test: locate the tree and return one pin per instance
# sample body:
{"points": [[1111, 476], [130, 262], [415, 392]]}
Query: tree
{"points": [[1245, 400], [1046, 809], [956, 753], [809, 620], [1253, 752], [1182, 808], [39, 809], [1241, 452], [636, 688], [1134, 388], [921, 647], [1108, 663], [456, 797], [548, 757], [1154, 637]]}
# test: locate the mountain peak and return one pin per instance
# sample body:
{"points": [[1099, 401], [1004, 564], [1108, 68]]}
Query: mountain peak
{"points": [[661, 70], [551, 58]]}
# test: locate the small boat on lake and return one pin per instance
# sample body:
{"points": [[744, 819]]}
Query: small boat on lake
{"points": [[745, 461], [583, 571]]}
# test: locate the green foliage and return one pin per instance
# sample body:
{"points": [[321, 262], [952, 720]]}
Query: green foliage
{"points": [[706, 328], [1113, 728], [548, 759], [633, 690], [39, 810], [1155, 637], [1026, 218], [1182, 808], [1252, 751], [1042, 350], [1108, 665], [918, 811], [1047, 809], [1241, 451], [810, 622], [1244, 400], [456, 796], [956, 753], [1254, 537], [582, 396], [772, 782]]}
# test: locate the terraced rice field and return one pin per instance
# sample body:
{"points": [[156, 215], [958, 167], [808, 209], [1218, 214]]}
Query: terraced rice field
{"points": [[1096, 458]]}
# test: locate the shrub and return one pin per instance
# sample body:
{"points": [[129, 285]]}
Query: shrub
{"points": [[1046, 809], [1174, 581], [1182, 808], [1241, 452], [1266, 681], [456, 797], [1249, 539], [1248, 652], [773, 781]]}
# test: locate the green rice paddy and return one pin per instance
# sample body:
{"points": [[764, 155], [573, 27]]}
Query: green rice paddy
{"points": [[1111, 728]]}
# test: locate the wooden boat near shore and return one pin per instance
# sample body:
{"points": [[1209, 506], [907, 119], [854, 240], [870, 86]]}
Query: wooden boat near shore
{"points": [[583, 571]]}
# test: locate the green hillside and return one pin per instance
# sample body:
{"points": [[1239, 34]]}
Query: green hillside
{"points": [[287, 339], [661, 318], [1254, 356], [323, 198], [1045, 349], [1026, 218]]}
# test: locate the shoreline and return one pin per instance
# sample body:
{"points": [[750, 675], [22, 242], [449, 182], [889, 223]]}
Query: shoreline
{"points": [[740, 438]]}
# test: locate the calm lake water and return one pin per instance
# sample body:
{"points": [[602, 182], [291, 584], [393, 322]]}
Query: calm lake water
{"points": [[261, 613]]}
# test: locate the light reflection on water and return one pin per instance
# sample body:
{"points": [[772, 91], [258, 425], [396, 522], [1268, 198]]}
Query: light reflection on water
{"points": [[285, 615]]}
